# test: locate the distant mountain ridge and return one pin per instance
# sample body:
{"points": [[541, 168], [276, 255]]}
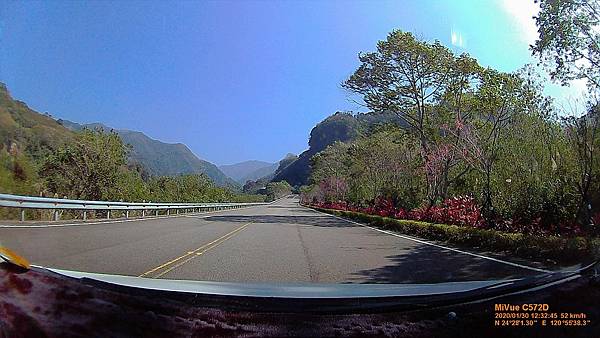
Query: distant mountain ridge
{"points": [[160, 158], [249, 170]]}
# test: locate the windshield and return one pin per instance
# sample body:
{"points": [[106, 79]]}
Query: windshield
{"points": [[301, 143]]}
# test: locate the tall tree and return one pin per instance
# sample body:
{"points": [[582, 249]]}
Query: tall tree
{"points": [[405, 76], [411, 77], [569, 47], [569, 39], [584, 134]]}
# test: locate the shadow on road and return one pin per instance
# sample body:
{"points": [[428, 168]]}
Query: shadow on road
{"points": [[295, 210], [279, 207], [315, 220], [427, 264]]}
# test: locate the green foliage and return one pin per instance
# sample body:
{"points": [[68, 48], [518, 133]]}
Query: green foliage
{"points": [[185, 188], [31, 133], [569, 40], [18, 174], [275, 190], [385, 163], [467, 131], [339, 127], [94, 167], [569, 47], [39, 156], [427, 86], [90, 168], [404, 73], [248, 198], [535, 171], [583, 134], [159, 158]]}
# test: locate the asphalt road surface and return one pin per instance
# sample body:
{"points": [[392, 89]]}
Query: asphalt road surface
{"points": [[280, 242]]}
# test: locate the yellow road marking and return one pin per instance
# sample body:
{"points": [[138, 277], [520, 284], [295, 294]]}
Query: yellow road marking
{"points": [[196, 252]]}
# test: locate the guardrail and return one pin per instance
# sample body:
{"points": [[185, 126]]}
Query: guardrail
{"points": [[57, 204]]}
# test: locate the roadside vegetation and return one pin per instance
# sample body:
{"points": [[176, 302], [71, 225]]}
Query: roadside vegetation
{"points": [[275, 190], [482, 156], [93, 166]]}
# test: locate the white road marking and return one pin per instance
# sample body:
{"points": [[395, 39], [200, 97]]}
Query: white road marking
{"points": [[435, 245]]}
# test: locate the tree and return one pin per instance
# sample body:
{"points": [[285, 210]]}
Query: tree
{"points": [[88, 168], [404, 76], [500, 98], [385, 163], [330, 169], [584, 134], [411, 78], [569, 47], [279, 189], [569, 40], [330, 163], [187, 188], [443, 163]]}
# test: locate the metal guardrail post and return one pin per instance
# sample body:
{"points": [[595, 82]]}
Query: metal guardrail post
{"points": [[55, 205]]}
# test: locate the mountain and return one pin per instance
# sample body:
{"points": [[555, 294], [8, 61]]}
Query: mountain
{"points": [[258, 185], [248, 170], [27, 130], [160, 158], [284, 163], [340, 126]]}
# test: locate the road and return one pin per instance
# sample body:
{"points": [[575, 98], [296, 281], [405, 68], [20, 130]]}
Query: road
{"points": [[280, 242]]}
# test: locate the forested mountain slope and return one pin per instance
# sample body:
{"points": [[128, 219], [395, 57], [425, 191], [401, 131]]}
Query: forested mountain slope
{"points": [[160, 158], [341, 127]]}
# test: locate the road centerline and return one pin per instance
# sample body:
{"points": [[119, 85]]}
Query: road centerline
{"points": [[176, 262]]}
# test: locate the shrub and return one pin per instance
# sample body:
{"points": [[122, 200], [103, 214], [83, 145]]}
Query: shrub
{"points": [[462, 211]]}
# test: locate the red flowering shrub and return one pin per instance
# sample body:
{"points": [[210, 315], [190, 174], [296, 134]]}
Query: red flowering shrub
{"points": [[419, 214], [384, 207], [464, 211], [461, 210], [569, 228], [401, 214], [339, 205]]}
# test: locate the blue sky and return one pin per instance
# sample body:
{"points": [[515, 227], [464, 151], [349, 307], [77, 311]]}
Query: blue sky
{"points": [[232, 80]]}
